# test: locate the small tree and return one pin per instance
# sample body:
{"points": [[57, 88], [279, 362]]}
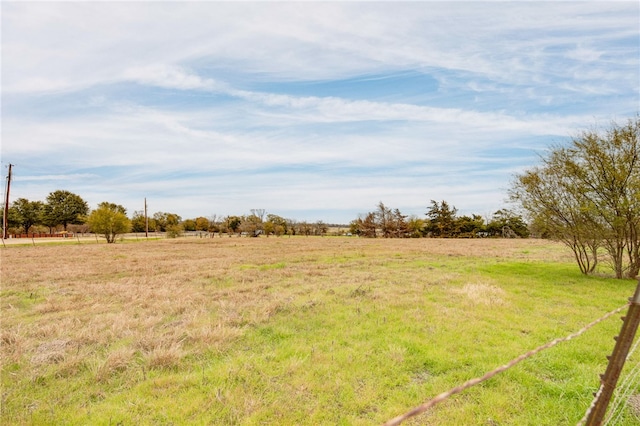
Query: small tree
{"points": [[587, 195], [280, 225], [47, 218], [110, 220], [368, 226], [252, 225], [304, 228], [202, 224], [471, 226], [174, 231], [139, 222], [442, 220], [320, 228], [504, 220], [401, 227], [14, 221], [384, 219], [415, 226], [233, 223], [164, 221], [189, 225]]}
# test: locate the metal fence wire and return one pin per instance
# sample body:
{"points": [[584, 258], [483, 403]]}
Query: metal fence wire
{"points": [[595, 414]]}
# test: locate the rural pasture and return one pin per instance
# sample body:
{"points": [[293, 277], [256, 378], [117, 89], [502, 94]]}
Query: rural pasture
{"points": [[300, 331]]}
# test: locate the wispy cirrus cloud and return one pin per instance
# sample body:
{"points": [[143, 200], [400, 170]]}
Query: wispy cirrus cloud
{"points": [[46, 178], [316, 108], [171, 77]]}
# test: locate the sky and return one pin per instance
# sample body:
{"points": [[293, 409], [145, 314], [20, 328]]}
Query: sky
{"points": [[308, 110]]}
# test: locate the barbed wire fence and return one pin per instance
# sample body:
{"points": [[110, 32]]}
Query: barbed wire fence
{"points": [[595, 413], [626, 397]]}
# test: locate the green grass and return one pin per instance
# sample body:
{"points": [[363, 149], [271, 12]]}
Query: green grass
{"points": [[304, 331]]}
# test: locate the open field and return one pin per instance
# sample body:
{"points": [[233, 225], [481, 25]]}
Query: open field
{"points": [[299, 330]]}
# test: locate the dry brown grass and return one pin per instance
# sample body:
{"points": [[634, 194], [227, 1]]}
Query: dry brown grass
{"points": [[634, 405], [198, 292], [482, 293], [231, 319], [125, 307]]}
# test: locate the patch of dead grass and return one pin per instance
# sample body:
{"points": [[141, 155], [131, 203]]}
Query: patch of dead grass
{"points": [[117, 361], [481, 294], [165, 357], [162, 301], [51, 352], [634, 404]]}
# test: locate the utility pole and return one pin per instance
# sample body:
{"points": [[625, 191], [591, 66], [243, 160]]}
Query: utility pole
{"points": [[5, 216], [146, 219]]}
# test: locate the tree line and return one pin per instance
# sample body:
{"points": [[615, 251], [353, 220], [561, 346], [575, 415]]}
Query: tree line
{"points": [[441, 221], [63, 208], [256, 223], [66, 210], [585, 194]]}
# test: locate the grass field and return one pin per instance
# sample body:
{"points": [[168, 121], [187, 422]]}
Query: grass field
{"points": [[300, 331]]}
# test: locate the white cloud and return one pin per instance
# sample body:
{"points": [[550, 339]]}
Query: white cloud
{"points": [[585, 54], [211, 106], [170, 77], [44, 178], [76, 44]]}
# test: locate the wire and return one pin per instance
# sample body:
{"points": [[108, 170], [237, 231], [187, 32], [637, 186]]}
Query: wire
{"points": [[443, 396]]}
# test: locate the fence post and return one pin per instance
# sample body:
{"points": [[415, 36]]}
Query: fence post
{"points": [[616, 361]]}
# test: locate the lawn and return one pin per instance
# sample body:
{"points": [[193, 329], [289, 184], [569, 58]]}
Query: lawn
{"points": [[300, 331]]}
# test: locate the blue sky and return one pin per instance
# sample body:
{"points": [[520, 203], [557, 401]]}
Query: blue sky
{"points": [[309, 110]]}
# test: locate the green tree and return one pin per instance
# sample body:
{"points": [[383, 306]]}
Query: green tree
{"points": [[415, 226], [400, 225], [202, 224], [554, 208], [138, 222], [384, 220], [189, 225], [64, 208], [355, 226], [470, 226], [14, 222], [25, 213], [587, 195], [442, 220], [164, 221], [47, 217], [279, 224], [233, 223], [269, 228], [174, 230], [110, 220], [506, 223], [251, 225], [391, 223]]}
